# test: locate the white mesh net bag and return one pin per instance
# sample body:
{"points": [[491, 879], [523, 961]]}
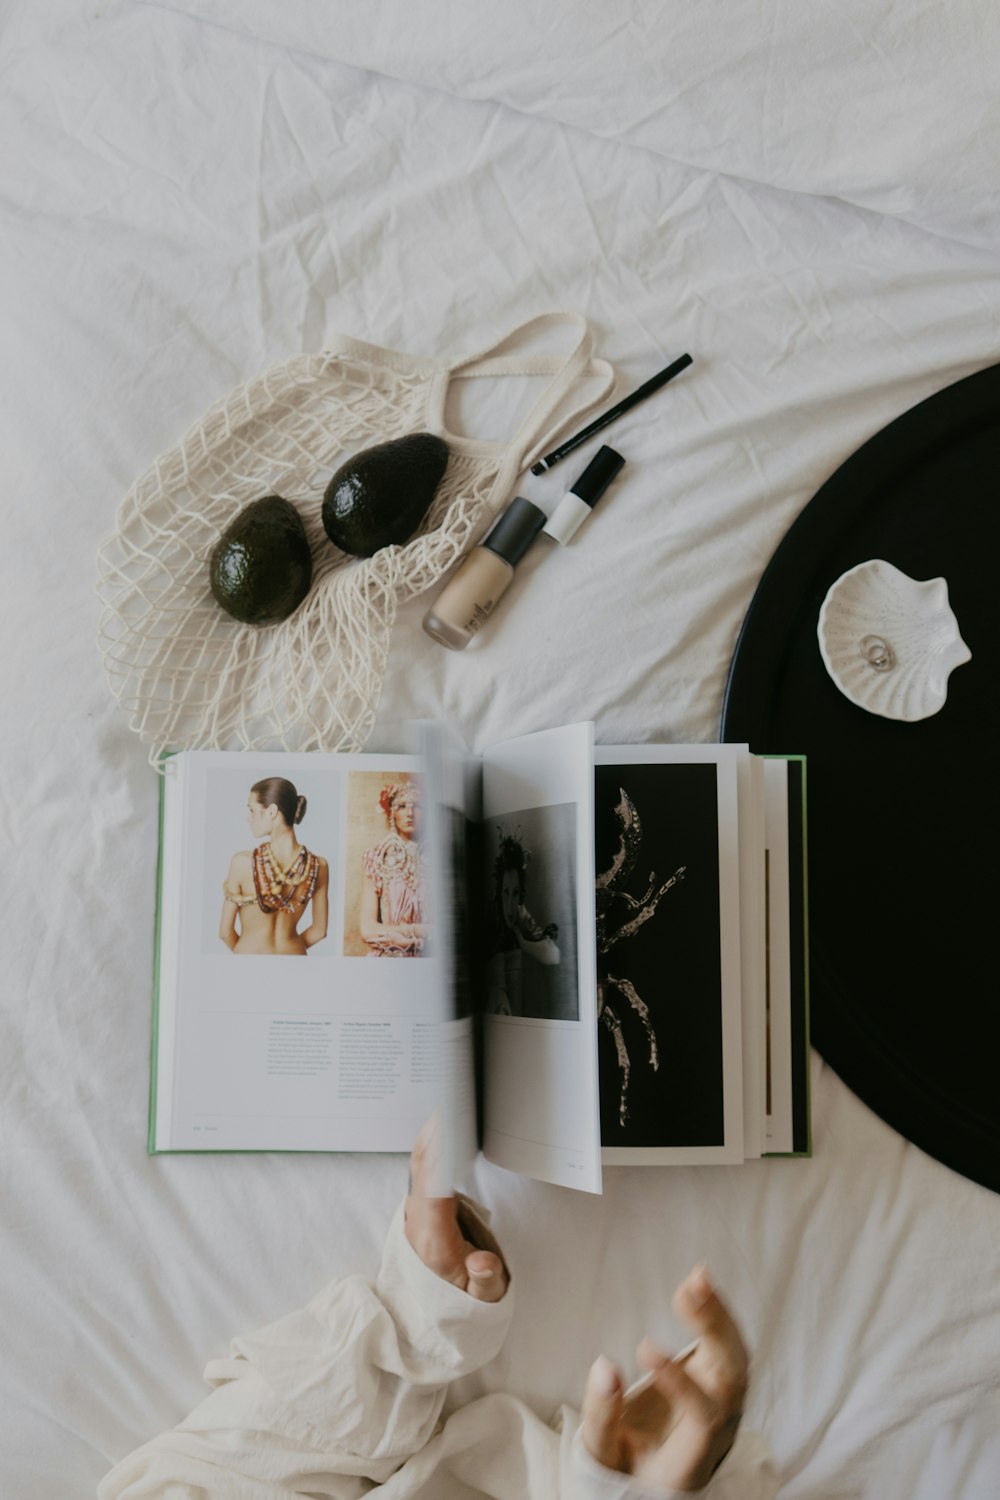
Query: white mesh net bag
{"points": [[191, 677]]}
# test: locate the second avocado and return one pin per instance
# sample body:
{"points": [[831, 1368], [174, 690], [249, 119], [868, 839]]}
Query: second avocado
{"points": [[380, 496]]}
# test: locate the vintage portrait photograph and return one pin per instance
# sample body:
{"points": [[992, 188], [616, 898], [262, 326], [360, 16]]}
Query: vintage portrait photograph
{"points": [[267, 842], [659, 974], [386, 883], [530, 933]]}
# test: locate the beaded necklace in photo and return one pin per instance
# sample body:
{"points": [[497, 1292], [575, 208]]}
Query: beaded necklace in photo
{"points": [[396, 856], [271, 882]]}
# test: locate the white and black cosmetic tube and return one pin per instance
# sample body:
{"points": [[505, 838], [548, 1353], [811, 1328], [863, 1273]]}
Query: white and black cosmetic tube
{"points": [[575, 506]]}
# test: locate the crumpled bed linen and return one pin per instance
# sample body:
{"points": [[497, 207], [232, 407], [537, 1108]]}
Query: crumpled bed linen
{"points": [[888, 105], [183, 202]]}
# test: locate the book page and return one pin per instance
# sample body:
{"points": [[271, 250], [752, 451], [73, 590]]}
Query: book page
{"points": [[309, 1026], [753, 958], [447, 777], [788, 1123], [669, 953], [778, 1138], [798, 952], [540, 1026]]}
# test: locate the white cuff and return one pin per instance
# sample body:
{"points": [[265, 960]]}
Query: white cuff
{"points": [[360, 1359], [452, 1333], [747, 1471], [592, 1481]]}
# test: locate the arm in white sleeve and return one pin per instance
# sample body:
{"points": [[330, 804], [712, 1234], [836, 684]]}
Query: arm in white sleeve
{"points": [[748, 1472], [543, 950], [327, 1399], [533, 940]]}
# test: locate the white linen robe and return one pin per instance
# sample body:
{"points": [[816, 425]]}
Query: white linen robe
{"points": [[346, 1394]]}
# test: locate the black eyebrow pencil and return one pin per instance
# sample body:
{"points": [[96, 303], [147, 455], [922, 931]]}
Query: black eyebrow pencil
{"points": [[615, 412]]}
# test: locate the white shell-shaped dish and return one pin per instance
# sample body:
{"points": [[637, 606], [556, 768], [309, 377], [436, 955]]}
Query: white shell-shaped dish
{"points": [[889, 641]]}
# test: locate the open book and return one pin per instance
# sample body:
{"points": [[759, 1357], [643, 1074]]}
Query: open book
{"points": [[572, 955]]}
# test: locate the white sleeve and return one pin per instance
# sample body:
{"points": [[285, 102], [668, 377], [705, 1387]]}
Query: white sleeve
{"points": [[748, 1472], [341, 1392], [544, 950]]}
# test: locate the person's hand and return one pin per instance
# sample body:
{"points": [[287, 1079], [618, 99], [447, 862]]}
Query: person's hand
{"points": [[433, 1230], [396, 935], [674, 1434], [525, 927], [393, 932]]}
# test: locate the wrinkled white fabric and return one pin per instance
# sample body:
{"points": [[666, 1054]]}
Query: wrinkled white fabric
{"points": [[890, 106], [349, 1389], [183, 204]]}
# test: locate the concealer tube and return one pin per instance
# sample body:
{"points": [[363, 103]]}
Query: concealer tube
{"points": [[473, 592], [575, 506]]}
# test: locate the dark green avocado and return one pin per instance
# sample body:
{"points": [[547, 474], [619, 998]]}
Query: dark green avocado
{"points": [[381, 495], [261, 567]]}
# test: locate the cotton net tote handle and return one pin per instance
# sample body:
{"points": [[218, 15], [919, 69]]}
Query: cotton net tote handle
{"points": [[538, 430]]}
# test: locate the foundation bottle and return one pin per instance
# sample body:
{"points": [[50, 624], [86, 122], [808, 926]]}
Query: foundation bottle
{"points": [[473, 592]]}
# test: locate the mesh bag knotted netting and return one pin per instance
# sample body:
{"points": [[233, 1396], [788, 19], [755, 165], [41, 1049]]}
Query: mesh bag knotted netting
{"points": [[191, 677]]}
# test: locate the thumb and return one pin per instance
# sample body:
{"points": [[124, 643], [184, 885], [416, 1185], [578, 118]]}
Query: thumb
{"points": [[602, 1408]]}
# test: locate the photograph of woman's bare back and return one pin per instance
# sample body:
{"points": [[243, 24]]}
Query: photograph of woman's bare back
{"points": [[386, 887], [275, 895]]}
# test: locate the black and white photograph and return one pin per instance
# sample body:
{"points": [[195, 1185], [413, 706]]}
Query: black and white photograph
{"points": [[530, 919], [660, 1037]]}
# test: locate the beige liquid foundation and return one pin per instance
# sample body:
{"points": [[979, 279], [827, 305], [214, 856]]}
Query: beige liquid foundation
{"points": [[473, 592]]}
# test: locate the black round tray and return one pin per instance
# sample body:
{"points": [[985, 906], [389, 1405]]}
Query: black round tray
{"points": [[904, 838]]}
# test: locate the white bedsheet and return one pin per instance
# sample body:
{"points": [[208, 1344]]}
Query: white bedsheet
{"points": [[183, 202]]}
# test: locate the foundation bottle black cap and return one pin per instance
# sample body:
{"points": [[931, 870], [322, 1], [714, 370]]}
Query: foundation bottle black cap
{"points": [[512, 534], [598, 474]]}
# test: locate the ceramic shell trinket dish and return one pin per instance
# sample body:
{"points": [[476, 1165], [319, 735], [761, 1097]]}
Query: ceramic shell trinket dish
{"points": [[890, 642]]}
